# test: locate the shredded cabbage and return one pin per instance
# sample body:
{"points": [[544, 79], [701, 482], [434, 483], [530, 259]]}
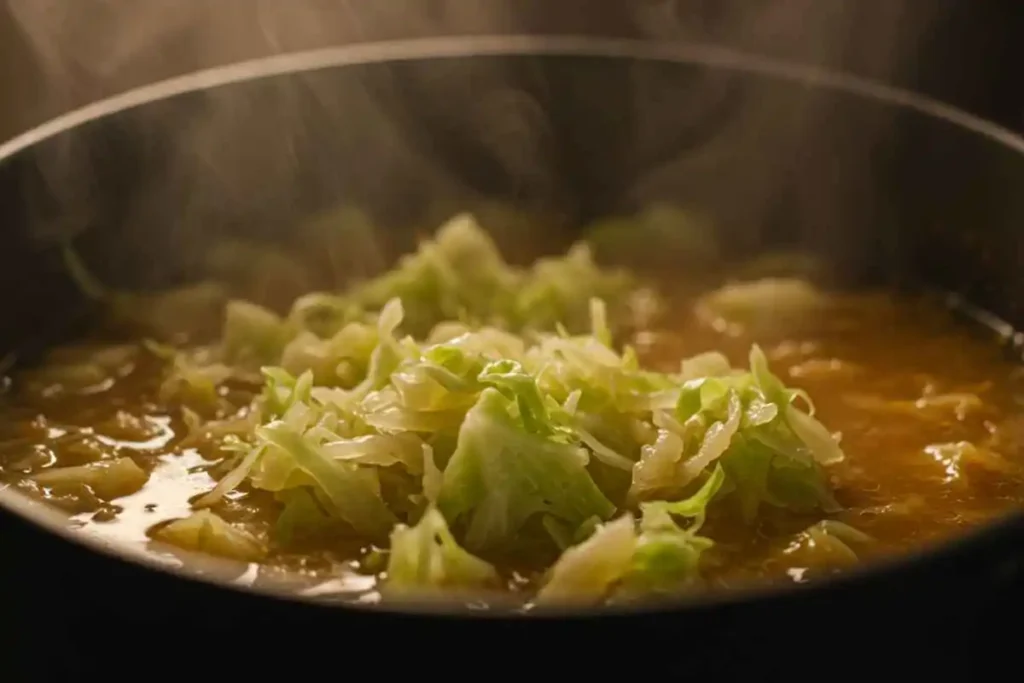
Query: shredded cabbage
{"points": [[506, 468], [833, 543], [762, 304], [586, 572], [629, 558], [206, 532], [426, 557], [458, 405], [108, 479]]}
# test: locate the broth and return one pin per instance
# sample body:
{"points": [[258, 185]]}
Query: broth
{"points": [[927, 410]]}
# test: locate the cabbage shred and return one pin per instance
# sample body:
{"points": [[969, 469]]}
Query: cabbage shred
{"points": [[463, 412]]}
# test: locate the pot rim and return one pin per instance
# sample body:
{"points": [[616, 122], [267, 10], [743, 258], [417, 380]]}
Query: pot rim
{"points": [[38, 514]]}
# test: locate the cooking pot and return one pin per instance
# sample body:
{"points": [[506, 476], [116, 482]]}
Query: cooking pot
{"points": [[889, 188]]}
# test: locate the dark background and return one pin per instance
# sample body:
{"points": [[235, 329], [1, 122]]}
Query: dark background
{"points": [[972, 59]]}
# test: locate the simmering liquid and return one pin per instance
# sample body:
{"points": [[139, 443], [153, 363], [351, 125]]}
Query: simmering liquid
{"points": [[928, 411]]}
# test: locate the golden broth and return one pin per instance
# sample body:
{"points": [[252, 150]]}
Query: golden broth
{"points": [[927, 410]]}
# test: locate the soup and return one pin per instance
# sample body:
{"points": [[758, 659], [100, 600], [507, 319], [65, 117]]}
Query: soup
{"points": [[460, 427]]}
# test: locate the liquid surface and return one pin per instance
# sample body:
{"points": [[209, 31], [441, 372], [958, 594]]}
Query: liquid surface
{"points": [[928, 411]]}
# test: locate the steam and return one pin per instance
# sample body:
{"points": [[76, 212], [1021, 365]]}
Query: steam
{"points": [[91, 49], [451, 133]]}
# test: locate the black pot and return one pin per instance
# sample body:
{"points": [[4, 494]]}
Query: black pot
{"points": [[888, 187]]}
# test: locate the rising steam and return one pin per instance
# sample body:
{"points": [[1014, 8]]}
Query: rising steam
{"points": [[450, 133]]}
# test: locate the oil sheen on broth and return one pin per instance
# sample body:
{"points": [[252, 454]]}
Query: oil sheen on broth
{"points": [[926, 409]]}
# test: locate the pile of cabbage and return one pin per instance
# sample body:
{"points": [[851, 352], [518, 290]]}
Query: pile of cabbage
{"points": [[463, 413]]}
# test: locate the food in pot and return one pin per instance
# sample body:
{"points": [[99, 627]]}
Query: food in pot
{"points": [[463, 428]]}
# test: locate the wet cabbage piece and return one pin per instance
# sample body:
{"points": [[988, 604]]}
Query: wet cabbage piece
{"points": [[466, 429]]}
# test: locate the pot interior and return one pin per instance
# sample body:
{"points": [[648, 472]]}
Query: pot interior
{"points": [[537, 139]]}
